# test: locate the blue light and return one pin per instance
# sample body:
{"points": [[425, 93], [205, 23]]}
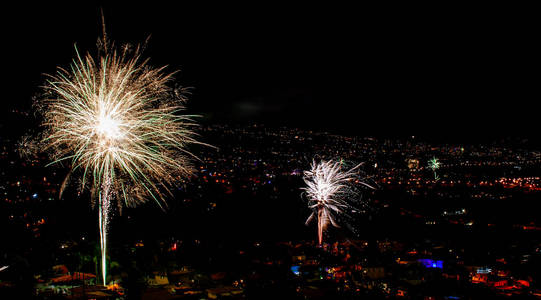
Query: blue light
{"points": [[295, 270], [430, 263], [484, 270], [35, 195]]}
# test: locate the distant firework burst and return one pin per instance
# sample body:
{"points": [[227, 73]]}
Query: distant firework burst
{"points": [[120, 127], [27, 147], [332, 191], [434, 164]]}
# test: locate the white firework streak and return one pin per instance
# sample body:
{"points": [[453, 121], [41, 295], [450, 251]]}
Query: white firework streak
{"points": [[328, 189]]}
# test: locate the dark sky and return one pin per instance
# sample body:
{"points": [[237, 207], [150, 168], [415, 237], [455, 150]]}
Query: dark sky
{"points": [[433, 71]]}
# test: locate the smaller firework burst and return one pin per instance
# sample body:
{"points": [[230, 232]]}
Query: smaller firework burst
{"points": [[27, 147], [332, 192], [434, 164]]}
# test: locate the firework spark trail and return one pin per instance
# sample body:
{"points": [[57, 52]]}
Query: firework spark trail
{"points": [[329, 191], [103, 219], [118, 125]]}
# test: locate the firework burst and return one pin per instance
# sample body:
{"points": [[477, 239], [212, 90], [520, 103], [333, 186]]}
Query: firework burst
{"points": [[434, 164], [330, 189], [115, 121]]}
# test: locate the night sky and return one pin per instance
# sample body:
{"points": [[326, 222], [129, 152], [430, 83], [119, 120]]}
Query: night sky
{"points": [[386, 71]]}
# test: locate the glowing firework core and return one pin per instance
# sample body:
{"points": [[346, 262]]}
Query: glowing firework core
{"points": [[108, 128]]}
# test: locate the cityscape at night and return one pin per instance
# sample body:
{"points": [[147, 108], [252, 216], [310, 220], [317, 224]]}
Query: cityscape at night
{"points": [[172, 152]]}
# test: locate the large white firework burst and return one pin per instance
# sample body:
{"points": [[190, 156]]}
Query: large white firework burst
{"points": [[117, 121], [118, 125]]}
